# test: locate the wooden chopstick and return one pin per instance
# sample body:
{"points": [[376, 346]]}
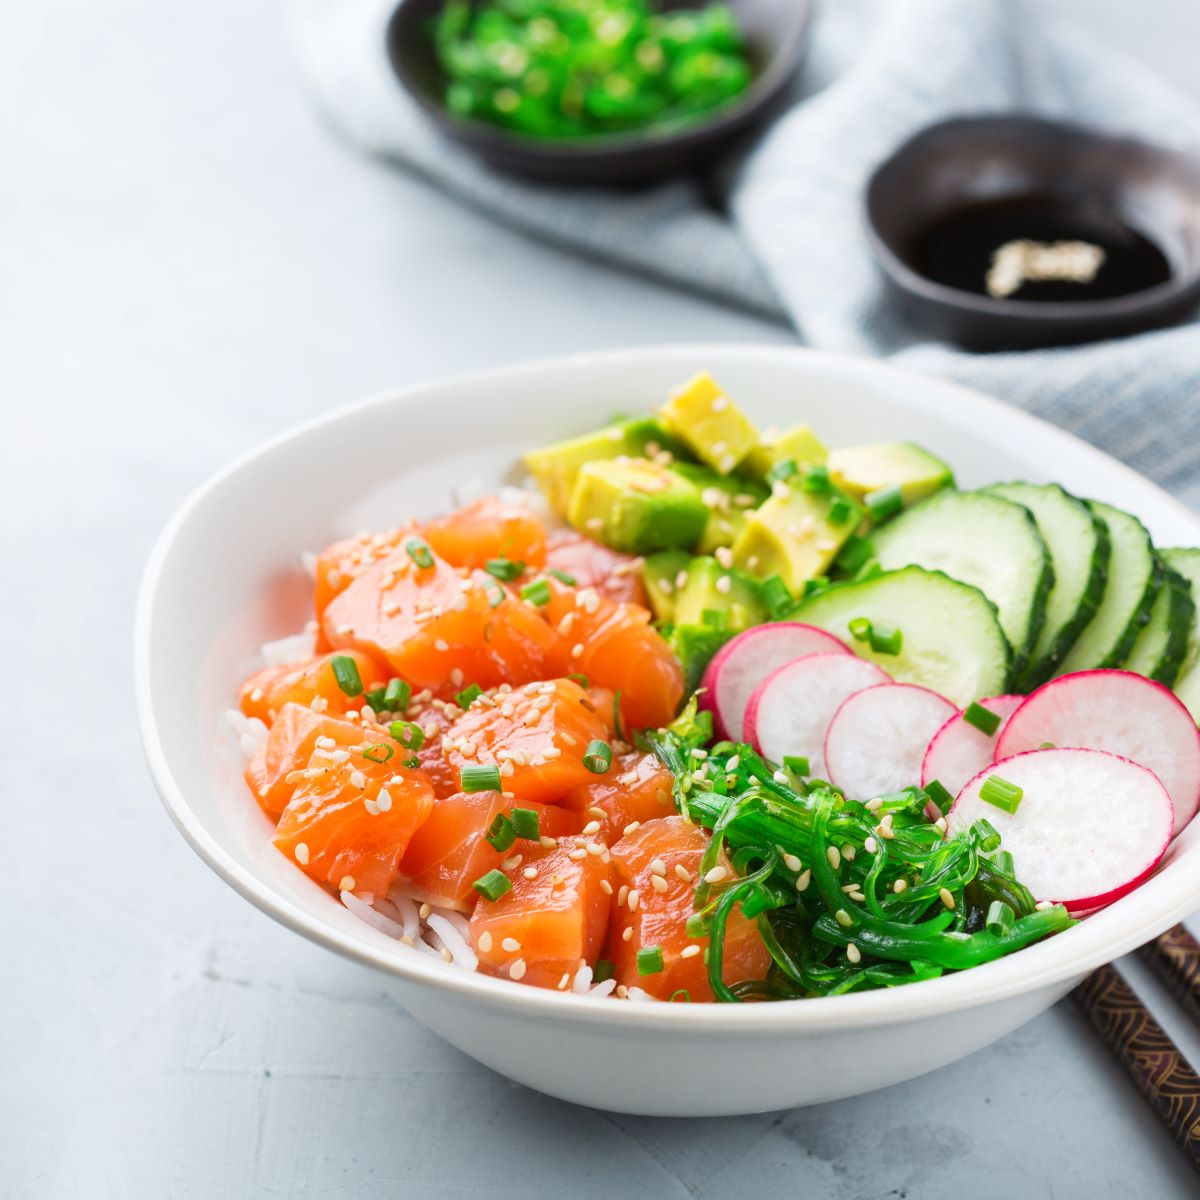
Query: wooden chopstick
{"points": [[1175, 959], [1137, 1041]]}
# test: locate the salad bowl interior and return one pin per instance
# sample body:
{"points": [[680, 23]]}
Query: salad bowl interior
{"points": [[226, 576]]}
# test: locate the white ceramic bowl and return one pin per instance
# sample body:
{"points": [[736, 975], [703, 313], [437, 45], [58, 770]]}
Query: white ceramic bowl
{"points": [[224, 577]]}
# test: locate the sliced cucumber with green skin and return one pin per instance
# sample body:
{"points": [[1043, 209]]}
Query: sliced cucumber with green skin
{"points": [[1134, 577], [1186, 562], [951, 640], [982, 540], [1078, 543], [1160, 647]]}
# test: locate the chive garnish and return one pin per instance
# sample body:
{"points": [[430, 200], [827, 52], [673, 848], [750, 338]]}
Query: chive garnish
{"points": [[985, 835], [408, 734], [604, 969], [468, 696], [379, 753], [855, 553], [940, 795], [884, 503], [1001, 794], [715, 618], [598, 757], [500, 833], [840, 511], [504, 569], [649, 960], [871, 569], [697, 925], [419, 552], [525, 824], [493, 885], [816, 480], [561, 576], [818, 583], [886, 639], [1002, 860], [687, 996], [345, 672], [775, 597], [476, 778], [396, 695], [1000, 918], [986, 721], [783, 470], [536, 593]]}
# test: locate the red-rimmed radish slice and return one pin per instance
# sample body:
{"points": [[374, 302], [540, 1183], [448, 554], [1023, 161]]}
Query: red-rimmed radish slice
{"points": [[958, 751], [789, 712], [1090, 825], [1117, 711], [878, 737], [746, 660]]}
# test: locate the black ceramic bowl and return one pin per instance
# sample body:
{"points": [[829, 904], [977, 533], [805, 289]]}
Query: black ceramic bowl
{"points": [[1149, 191], [775, 32]]}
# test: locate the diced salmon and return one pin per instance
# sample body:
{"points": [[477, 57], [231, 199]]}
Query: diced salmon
{"points": [[288, 747], [616, 576], [615, 647], [661, 914], [544, 929], [538, 735], [340, 564], [637, 788], [440, 627], [487, 529], [265, 693], [349, 824], [450, 850]]}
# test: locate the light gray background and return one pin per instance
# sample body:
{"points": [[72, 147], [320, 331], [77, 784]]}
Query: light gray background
{"points": [[189, 264]]}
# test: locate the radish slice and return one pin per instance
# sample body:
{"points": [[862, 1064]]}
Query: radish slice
{"points": [[959, 751], [1089, 828], [790, 711], [1117, 711], [877, 738], [746, 660]]}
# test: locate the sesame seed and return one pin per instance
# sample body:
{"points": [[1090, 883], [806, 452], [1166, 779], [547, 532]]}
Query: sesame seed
{"points": [[631, 827], [456, 676], [681, 872], [791, 862], [530, 872], [658, 883], [371, 806], [319, 704], [940, 824], [689, 951], [870, 845], [606, 887], [577, 855], [658, 867], [803, 880], [734, 763], [720, 403], [441, 645], [302, 853], [848, 853], [853, 953], [384, 800], [849, 887], [1043, 905], [627, 934], [577, 650], [947, 898], [513, 862], [834, 856], [634, 898], [591, 827], [844, 918], [724, 584], [517, 970], [681, 579], [547, 843], [899, 886], [596, 848], [425, 910], [716, 875], [510, 944], [446, 955], [358, 780], [780, 777], [874, 805], [256, 695]]}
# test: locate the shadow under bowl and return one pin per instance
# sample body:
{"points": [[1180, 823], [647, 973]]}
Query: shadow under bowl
{"points": [[775, 33], [1100, 179]]}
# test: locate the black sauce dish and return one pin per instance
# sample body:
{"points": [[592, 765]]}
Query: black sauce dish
{"points": [[939, 206], [775, 31]]}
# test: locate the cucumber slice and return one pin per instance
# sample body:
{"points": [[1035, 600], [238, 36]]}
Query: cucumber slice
{"points": [[1160, 647], [952, 640], [1186, 563], [1079, 549], [986, 541], [1134, 577]]}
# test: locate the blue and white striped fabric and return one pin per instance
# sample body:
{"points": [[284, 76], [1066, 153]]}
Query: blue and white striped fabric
{"points": [[790, 244]]}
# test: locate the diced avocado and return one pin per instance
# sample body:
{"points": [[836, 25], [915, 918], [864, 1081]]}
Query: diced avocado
{"points": [[713, 590], [727, 497], [659, 575], [704, 418], [637, 506], [798, 444], [793, 535], [694, 646], [864, 469], [556, 466]]}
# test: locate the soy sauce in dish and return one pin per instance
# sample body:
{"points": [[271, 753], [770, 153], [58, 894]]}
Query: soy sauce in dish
{"points": [[959, 250]]}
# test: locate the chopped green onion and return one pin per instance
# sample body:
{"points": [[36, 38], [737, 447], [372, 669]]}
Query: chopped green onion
{"points": [[860, 629], [1000, 918], [796, 763], [500, 833], [598, 757], [715, 618], [840, 510], [698, 925], [504, 569], [855, 553], [818, 583], [1002, 860], [871, 569], [986, 721], [396, 695], [345, 671], [604, 969], [419, 552], [1047, 746], [493, 885], [537, 592], [525, 824], [886, 639], [479, 779], [617, 715], [468, 696], [687, 996], [939, 794], [378, 753], [649, 960], [884, 503], [985, 835], [582, 680], [412, 762], [775, 597], [374, 698], [408, 734], [1001, 794], [561, 576], [782, 471], [816, 480]]}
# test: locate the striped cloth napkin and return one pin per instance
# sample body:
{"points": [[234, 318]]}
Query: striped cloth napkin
{"points": [[788, 240]]}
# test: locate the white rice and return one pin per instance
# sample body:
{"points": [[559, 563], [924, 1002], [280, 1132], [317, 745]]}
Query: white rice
{"points": [[454, 941], [282, 651], [582, 980], [603, 989], [408, 914], [373, 917]]}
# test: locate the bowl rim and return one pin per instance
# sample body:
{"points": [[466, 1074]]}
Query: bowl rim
{"points": [[1058, 312], [1138, 917], [764, 88]]}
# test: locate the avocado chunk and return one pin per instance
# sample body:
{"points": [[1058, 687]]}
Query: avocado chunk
{"points": [[694, 646], [796, 534], [718, 596], [865, 469], [637, 506], [798, 445], [704, 418], [727, 497], [555, 467], [660, 573]]}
